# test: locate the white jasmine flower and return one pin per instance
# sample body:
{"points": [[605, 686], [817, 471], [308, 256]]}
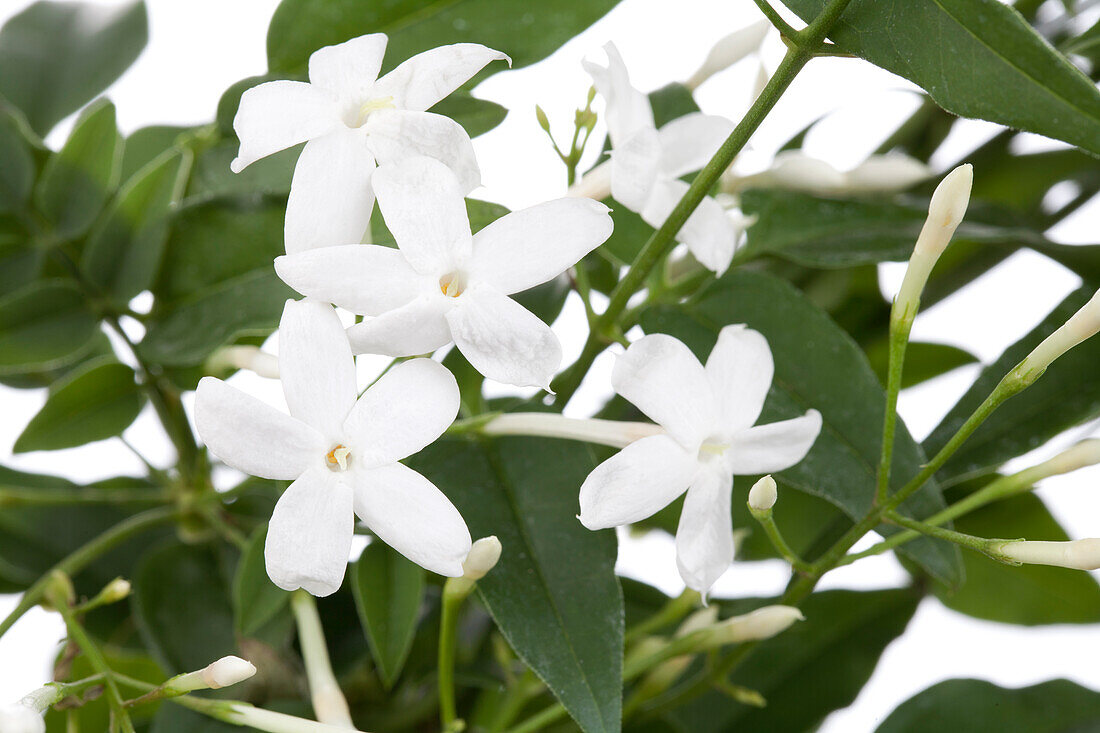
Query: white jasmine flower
{"points": [[442, 284], [351, 119], [646, 163], [341, 453], [708, 414], [20, 718]]}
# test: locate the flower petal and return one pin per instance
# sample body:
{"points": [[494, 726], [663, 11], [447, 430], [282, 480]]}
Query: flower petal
{"points": [[415, 328], [278, 114], [253, 436], [528, 247], [635, 165], [740, 370], [773, 447], [627, 109], [423, 206], [709, 232], [704, 537], [404, 411], [395, 135], [638, 481], [412, 516], [330, 195], [316, 366], [309, 536], [426, 78], [363, 278], [503, 340], [663, 379], [348, 70], [689, 142]]}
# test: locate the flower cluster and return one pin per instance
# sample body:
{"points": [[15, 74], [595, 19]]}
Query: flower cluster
{"points": [[371, 139]]}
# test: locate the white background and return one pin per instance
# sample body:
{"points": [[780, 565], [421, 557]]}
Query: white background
{"points": [[200, 47]]}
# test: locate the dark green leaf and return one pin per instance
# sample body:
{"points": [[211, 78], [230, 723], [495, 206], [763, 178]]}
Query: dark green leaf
{"points": [[388, 591], [975, 58], [124, 252], [1087, 44], [78, 179], [45, 325], [95, 403], [256, 600], [182, 608], [813, 668], [1030, 594], [477, 116], [268, 176], [187, 332], [146, 144], [526, 32], [19, 265], [553, 594], [17, 173], [818, 366], [1066, 395], [1057, 706], [923, 361], [57, 56]]}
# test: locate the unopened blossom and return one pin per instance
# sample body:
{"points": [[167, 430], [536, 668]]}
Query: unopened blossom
{"points": [[441, 284], [708, 413], [20, 718], [793, 170], [1074, 554], [762, 495], [646, 163], [351, 120], [341, 452], [729, 50]]}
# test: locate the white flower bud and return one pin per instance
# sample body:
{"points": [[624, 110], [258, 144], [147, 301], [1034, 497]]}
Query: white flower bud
{"points": [[482, 558], [701, 619], [116, 590], [795, 171], [615, 433], [763, 623], [595, 184], [251, 358], [20, 718], [1076, 554], [227, 671], [946, 209], [729, 50], [1080, 326], [890, 172], [762, 495]]}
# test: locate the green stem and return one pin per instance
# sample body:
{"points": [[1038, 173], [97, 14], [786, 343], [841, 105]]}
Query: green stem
{"points": [[455, 591], [80, 558], [771, 529], [776, 19], [46, 497], [900, 327], [670, 613], [980, 544]]}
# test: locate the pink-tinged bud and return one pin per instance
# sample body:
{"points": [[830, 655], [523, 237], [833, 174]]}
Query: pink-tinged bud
{"points": [[227, 671], [762, 495], [1075, 554], [482, 558]]}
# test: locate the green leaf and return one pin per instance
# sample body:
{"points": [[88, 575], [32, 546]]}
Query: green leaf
{"points": [[1087, 44], [19, 265], [813, 668], [923, 361], [817, 366], [57, 56], [477, 116], [388, 591], [45, 325], [146, 144], [123, 253], [17, 173], [1030, 594], [190, 330], [182, 608], [1066, 395], [78, 179], [975, 58], [526, 32], [95, 403], [268, 176], [1057, 706], [566, 624], [256, 600]]}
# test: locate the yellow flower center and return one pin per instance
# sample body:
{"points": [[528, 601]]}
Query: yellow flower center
{"points": [[337, 458], [452, 285], [372, 105]]}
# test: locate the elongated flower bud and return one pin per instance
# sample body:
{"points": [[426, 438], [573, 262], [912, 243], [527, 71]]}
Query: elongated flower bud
{"points": [[222, 673], [1080, 326], [729, 50], [883, 173], [763, 623], [1076, 554], [1085, 453], [762, 495], [244, 357], [249, 716], [615, 433], [945, 211], [482, 558]]}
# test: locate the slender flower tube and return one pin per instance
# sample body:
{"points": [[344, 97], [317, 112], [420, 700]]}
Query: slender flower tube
{"points": [[615, 433], [1085, 453], [252, 358], [1081, 325], [1075, 554], [350, 120], [708, 415], [241, 713], [763, 623], [729, 50], [793, 170]]}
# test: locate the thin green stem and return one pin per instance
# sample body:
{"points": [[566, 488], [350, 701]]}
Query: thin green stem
{"points": [[82, 495], [776, 19], [981, 544], [771, 529], [455, 591], [674, 610], [900, 327], [80, 558], [329, 704]]}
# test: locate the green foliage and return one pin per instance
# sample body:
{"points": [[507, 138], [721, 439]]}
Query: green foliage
{"points": [[388, 592], [55, 57], [553, 594], [95, 403], [17, 173], [1051, 707], [975, 58], [44, 325], [256, 600], [923, 361]]}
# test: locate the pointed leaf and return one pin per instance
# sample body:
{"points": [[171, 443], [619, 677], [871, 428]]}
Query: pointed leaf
{"points": [[388, 591], [256, 600], [45, 325]]}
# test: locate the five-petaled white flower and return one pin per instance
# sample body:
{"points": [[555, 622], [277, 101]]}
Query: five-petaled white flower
{"points": [[646, 163], [708, 413], [351, 119], [342, 454], [442, 284]]}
